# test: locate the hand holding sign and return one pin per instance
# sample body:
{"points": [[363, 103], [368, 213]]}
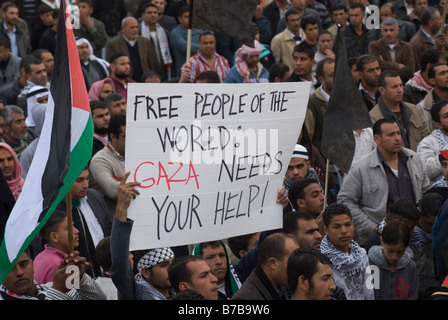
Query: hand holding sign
{"points": [[211, 158]]}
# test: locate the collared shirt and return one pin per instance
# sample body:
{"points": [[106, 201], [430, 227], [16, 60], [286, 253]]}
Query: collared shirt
{"points": [[12, 38], [430, 39], [130, 42], [92, 221], [399, 181], [361, 87], [199, 63], [294, 36], [326, 95]]}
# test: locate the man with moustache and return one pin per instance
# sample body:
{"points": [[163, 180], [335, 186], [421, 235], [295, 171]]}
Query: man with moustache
{"points": [[15, 128], [410, 120], [387, 173]]}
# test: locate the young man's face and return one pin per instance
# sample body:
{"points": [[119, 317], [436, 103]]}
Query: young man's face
{"points": [[311, 32], [393, 253], [217, 261], [202, 280], [308, 234], [340, 231], [7, 163], [303, 64], [321, 285], [390, 139], [20, 279], [313, 201], [298, 168], [158, 275]]}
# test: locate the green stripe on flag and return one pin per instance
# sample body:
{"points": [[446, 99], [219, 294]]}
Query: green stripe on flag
{"points": [[79, 158]]}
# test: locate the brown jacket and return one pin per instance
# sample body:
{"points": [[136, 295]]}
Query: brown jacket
{"points": [[418, 126], [118, 44], [403, 54]]}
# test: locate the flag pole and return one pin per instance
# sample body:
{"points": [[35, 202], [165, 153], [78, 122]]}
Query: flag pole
{"points": [[442, 27], [326, 183], [190, 30], [68, 198]]}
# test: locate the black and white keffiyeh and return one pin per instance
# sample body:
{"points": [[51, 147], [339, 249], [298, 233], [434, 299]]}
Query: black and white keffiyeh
{"points": [[7, 294]]}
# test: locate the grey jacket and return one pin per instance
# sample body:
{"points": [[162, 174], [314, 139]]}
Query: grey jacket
{"points": [[402, 283], [365, 190], [12, 71]]}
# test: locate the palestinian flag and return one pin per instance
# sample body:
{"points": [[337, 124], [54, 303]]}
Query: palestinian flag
{"points": [[63, 151]]}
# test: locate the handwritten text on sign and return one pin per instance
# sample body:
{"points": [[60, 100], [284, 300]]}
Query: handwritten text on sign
{"points": [[211, 158]]}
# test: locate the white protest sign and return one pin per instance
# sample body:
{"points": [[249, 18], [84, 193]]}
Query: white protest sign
{"points": [[211, 158]]}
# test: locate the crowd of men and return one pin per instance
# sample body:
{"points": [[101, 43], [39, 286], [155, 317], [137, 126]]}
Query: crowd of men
{"points": [[385, 219]]}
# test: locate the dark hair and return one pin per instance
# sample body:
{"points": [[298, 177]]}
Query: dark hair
{"points": [[207, 33], [296, 190], [404, 208], [357, 5], [290, 223], [427, 15], [377, 125], [149, 74], [334, 209], [303, 262], [386, 74], [182, 10], [429, 57], [103, 255], [30, 60], [278, 69], [213, 244], [306, 20], [146, 6], [290, 12], [306, 48], [89, 2], [210, 76], [320, 66], [238, 243], [52, 224], [364, 59], [5, 42], [338, 7], [435, 109], [38, 53], [115, 96], [432, 69], [179, 272], [97, 104], [7, 5], [430, 204], [322, 32], [273, 246], [395, 232], [115, 124], [188, 294]]}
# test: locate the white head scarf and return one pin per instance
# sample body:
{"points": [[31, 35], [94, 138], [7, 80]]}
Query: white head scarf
{"points": [[92, 57], [35, 93]]}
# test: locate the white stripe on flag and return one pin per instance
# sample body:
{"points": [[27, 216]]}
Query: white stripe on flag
{"points": [[25, 214]]}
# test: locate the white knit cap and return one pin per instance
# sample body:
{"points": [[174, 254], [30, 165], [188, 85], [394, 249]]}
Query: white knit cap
{"points": [[300, 152]]}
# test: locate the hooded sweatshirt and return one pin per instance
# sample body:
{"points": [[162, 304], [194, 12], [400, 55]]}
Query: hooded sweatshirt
{"points": [[399, 284]]}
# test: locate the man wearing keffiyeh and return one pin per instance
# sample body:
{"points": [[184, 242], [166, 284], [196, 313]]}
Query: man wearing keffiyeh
{"points": [[153, 274], [247, 68], [349, 260]]}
